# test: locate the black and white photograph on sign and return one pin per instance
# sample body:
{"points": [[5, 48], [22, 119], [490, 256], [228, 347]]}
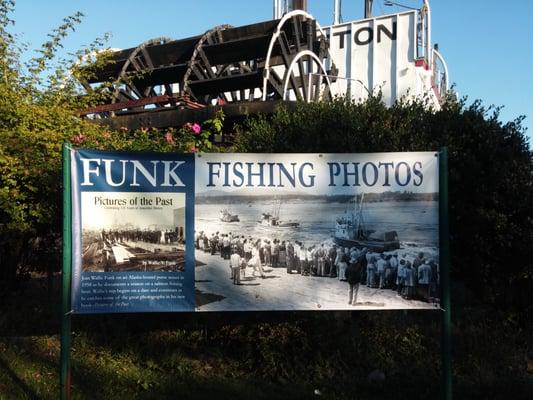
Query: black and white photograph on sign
{"points": [[264, 248], [126, 232]]}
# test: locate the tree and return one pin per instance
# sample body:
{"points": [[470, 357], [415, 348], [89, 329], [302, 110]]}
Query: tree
{"points": [[39, 104]]}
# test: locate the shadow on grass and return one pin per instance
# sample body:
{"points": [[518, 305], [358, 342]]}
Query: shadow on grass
{"points": [[266, 355], [104, 373], [31, 308], [21, 385]]}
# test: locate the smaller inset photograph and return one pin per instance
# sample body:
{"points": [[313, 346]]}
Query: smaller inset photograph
{"points": [[133, 232]]}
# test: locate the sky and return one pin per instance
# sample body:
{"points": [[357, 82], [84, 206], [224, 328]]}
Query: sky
{"points": [[486, 43]]}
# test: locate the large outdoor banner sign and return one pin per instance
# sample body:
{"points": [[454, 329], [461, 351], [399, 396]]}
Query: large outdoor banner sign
{"points": [[246, 232]]}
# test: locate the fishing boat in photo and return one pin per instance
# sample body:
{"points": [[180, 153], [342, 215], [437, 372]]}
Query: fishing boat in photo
{"points": [[272, 220], [226, 216], [351, 231]]}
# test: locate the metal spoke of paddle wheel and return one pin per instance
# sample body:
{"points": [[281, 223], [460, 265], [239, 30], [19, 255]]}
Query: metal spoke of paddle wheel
{"points": [[129, 84]]}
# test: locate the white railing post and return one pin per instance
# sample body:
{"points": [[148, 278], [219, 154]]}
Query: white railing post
{"points": [[277, 9], [428, 46], [336, 12], [309, 87]]}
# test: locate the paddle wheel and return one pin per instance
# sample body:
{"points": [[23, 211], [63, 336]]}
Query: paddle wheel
{"points": [[282, 59], [251, 69]]}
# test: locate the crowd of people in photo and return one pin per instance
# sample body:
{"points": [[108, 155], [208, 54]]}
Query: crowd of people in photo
{"points": [[411, 277], [155, 236]]}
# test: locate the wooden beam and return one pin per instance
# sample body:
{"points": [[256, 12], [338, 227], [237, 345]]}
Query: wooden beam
{"points": [[176, 117]]}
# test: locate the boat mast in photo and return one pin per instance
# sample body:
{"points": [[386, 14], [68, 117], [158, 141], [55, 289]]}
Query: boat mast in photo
{"points": [[273, 220], [351, 231]]}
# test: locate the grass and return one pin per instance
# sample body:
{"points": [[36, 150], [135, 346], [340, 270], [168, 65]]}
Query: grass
{"points": [[257, 355], [29, 370]]}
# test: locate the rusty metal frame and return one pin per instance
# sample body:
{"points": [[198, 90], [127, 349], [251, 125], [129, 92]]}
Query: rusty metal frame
{"points": [[176, 117]]}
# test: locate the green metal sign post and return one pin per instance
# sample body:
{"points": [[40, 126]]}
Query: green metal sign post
{"points": [[65, 376], [444, 246]]}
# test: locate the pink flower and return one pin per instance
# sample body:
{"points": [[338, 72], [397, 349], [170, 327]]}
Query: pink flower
{"points": [[193, 150], [79, 139], [169, 138], [196, 128]]}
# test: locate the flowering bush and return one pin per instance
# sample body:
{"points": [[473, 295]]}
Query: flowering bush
{"points": [[192, 137]]}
